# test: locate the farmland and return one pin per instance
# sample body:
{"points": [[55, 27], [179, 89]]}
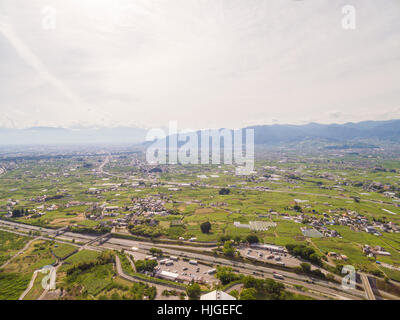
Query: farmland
{"points": [[351, 199]]}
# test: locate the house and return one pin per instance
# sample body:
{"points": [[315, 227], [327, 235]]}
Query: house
{"points": [[344, 257]]}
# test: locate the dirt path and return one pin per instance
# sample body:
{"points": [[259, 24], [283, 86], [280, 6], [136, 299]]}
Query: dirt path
{"points": [[131, 262], [30, 285]]}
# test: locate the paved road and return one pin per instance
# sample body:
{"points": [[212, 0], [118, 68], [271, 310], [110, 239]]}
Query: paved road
{"points": [[30, 285], [326, 288], [50, 232], [367, 287]]}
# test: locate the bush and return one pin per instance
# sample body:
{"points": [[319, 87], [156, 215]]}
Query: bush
{"points": [[248, 294], [228, 249], [304, 252], [265, 288], [224, 238], [306, 268], [224, 191], [234, 293], [252, 239], [226, 275], [205, 227], [145, 265], [193, 291]]}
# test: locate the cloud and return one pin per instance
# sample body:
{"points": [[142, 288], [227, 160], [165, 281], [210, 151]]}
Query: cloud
{"points": [[212, 63], [26, 54]]}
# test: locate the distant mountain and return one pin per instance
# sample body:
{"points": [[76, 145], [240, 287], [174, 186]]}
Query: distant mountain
{"points": [[265, 134], [334, 136], [48, 135], [367, 130]]}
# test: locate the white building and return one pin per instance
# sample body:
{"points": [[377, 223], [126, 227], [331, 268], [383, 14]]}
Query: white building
{"points": [[172, 276], [217, 295], [269, 247]]}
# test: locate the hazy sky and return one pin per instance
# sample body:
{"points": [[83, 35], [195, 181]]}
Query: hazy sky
{"points": [[204, 63]]}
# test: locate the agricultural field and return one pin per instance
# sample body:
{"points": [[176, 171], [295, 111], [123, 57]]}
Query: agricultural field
{"points": [[90, 275], [337, 193], [16, 275], [10, 244]]}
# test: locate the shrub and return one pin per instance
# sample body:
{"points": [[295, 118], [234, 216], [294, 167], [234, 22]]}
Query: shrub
{"points": [[205, 227]]}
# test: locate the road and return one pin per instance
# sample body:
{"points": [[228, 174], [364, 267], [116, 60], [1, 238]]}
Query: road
{"points": [[30, 285], [160, 288], [367, 287], [325, 288]]}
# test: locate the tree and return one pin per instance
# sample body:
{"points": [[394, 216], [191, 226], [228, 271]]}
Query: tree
{"points": [[224, 238], [145, 265], [16, 213], [306, 267], [234, 293], [304, 252], [238, 239], [297, 208], [226, 275], [251, 238], [248, 294], [205, 227], [193, 291], [228, 249], [224, 191]]}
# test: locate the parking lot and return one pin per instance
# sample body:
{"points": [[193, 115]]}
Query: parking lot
{"points": [[184, 269], [270, 257]]}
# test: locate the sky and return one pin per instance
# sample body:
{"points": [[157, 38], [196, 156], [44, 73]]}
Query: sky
{"points": [[203, 63]]}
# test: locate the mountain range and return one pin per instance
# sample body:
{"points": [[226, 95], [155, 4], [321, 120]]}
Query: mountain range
{"points": [[264, 134]]}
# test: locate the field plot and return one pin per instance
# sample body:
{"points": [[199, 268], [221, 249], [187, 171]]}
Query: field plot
{"points": [[261, 225], [333, 202], [10, 244], [18, 273]]}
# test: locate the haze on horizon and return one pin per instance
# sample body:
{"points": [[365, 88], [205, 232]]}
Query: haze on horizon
{"points": [[210, 63]]}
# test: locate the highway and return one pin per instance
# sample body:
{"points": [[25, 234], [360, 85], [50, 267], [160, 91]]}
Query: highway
{"points": [[325, 288]]}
